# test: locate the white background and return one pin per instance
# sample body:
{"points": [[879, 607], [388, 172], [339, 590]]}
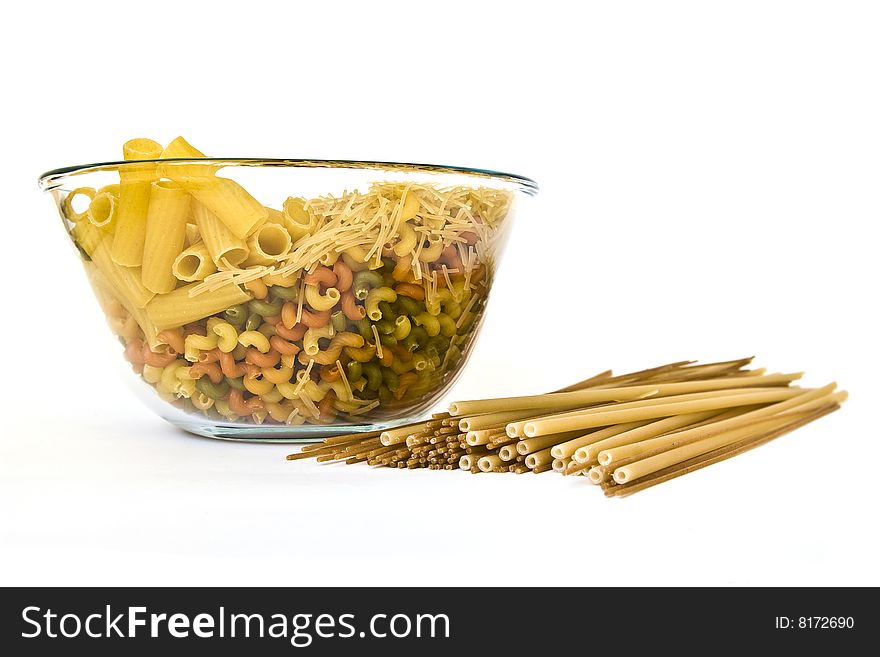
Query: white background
{"points": [[709, 177]]}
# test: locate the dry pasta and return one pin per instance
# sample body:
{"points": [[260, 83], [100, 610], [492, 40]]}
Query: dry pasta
{"points": [[620, 455], [334, 309], [193, 264], [134, 201], [166, 235]]}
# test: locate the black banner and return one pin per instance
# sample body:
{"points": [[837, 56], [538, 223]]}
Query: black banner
{"points": [[431, 621]]}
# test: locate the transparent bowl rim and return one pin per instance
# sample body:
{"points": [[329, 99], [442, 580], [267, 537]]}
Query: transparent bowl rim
{"points": [[52, 179]]}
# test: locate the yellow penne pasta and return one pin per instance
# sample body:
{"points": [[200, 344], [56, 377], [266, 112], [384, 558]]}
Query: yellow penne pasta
{"points": [[192, 233], [275, 216], [181, 148], [296, 218], [225, 198], [126, 281], [134, 199], [270, 242], [166, 232], [221, 243], [193, 264], [112, 189], [178, 307], [100, 281], [102, 210], [67, 204], [139, 148], [229, 201]]}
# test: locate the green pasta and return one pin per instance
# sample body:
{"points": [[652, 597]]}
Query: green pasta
{"points": [[364, 281], [390, 379], [409, 306], [211, 389], [338, 320], [253, 322], [284, 293], [385, 326], [236, 382], [355, 370], [236, 315], [265, 309], [374, 375], [417, 338]]}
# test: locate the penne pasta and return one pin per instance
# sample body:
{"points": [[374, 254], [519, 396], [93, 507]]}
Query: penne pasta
{"points": [[178, 307], [268, 244], [225, 198], [67, 208], [193, 264], [180, 148], [102, 210], [166, 233], [223, 246], [111, 286], [134, 200], [125, 281], [192, 234], [230, 202], [296, 218]]}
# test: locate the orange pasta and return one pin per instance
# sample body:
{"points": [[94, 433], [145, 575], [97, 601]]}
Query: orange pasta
{"points": [[295, 333], [288, 315], [325, 406], [329, 373], [344, 276], [322, 276], [402, 271], [173, 338], [315, 319], [272, 320], [209, 356], [134, 352], [258, 288], [334, 350], [387, 358], [350, 307], [410, 290], [282, 346], [269, 359], [230, 368], [212, 370], [362, 355], [157, 359], [240, 406]]}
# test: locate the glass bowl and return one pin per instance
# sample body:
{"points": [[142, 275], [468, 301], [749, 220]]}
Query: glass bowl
{"points": [[288, 299]]}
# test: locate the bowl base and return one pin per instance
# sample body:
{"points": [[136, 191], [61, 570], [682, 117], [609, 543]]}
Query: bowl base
{"points": [[305, 433]]}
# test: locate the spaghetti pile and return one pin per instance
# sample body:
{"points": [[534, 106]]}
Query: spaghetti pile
{"points": [[624, 433]]}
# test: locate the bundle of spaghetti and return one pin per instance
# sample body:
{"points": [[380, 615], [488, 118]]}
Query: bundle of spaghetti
{"points": [[625, 433]]}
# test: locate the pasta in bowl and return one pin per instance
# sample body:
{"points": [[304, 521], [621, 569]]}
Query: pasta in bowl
{"points": [[287, 299]]}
